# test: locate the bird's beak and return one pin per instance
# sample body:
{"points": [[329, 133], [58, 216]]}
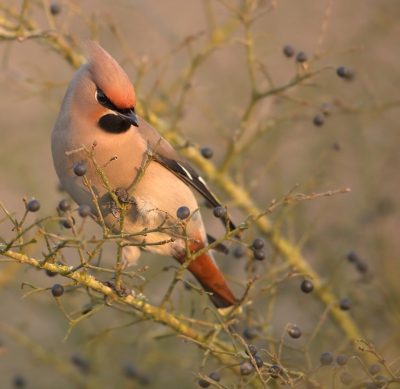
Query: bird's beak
{"points": [[130, 117]]}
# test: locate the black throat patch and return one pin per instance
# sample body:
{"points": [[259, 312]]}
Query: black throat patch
{"points": [[113, 124]]}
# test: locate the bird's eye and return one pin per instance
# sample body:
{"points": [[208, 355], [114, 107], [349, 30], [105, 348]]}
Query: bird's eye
{"points": [[101, 97]]}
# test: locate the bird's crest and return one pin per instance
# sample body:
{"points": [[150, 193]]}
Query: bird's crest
{"points": [[109, 76]]}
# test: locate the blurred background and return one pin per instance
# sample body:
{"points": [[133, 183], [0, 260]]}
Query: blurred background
{"points": [[357, 146]]}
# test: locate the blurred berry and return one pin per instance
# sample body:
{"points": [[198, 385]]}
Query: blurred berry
{"points": [[246, 368], [79, 361], [80, 169], [259, 255], [57, 290], [183, 213], [219, 212], [301, 57], [288, 50], [326, 358], [84, 210], [239, 252], [203, 383], [326, 108], [346, 378], [250, 333], [55, 8], [33, 205], [307, 286], [215, 376], [130, 371], [352, 256], [362, 266], [259, 361], [275, 371], [345, 304], [374, 369], [337, 146], [295, 332], [64, 205], [67, 223], [252, 348], [341, 359], [258, 244], [380, 378], [50, 273], [345, 72], [318, 120], [207, 152], [19, 381]]}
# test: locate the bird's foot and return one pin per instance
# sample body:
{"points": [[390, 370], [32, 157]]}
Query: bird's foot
{"points": [[122, 291], [123, 196], [114, 209]]}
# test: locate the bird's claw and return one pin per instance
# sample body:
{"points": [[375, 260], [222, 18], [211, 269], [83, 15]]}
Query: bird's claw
{"points": [[123, 291], [123, 196], [114, 209]]}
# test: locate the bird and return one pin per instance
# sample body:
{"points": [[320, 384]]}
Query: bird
{"points": [[99, 106]]}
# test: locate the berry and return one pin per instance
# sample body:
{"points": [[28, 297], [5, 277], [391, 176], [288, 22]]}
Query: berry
{"points": [[57, 290], [246, 368], [207, 152], [326, 108], [345, 72], [259, 255], [55, 8], [64, 205], [219, 212], [80, 169], [318, 120], [19, 381], [84, 210], [252, 349], [362, 266], [215, 376], [274, 371], [345, 304], [50, 273], [307, 286], [82, 363], [33, 205], [239, 252], [326, 358], [374, 369], [346, 378], [130, 371], [295, 332], [259, 361], [250, 333], [203, 383], [352, 256], [341, 359], [183, 213], [67, 223], [301, 57], [288, 50], [258, 244]]}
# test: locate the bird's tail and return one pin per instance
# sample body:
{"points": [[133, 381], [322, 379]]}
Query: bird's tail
{"points": [[212, 280]]}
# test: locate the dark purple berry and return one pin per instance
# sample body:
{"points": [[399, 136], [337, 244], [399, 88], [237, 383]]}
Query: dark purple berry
{"points": [[67, 223], [246, 368], [295, 332], [258, 244], [57, 290], [219, 212], [326, 358], [64, 205], [50, 273], [19, 381], [341, 359], [79, 361], [259, 255], [307, 286], [301, 57], [318, 120], [252, 349], [374, 369], [207, 152], [55, 8], [33, 205], [84, 210], [275, 371], [250, 333], [345, 304], [259, 361], [130, 371], [288, 50], [203, 383], [352, 256], [80, 169], [346, 378], [239, 252], [345, 72], [183, 213], [215, 376]]}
